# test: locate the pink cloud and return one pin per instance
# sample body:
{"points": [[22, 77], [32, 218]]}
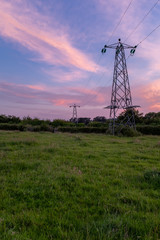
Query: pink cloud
{"points": [[23, 24], [151, 91], [93, 96], [36, 87], [147, 96], [42, 94], [59, 76], [64, 102], [155, 107]]}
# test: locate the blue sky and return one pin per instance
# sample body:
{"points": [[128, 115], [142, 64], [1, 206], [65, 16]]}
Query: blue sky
{"points": [[50, 56]]}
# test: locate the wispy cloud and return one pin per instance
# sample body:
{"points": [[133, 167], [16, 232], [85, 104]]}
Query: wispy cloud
{"points": [[148, 96], [53, 95], [22, 23], [54, 43], [59, 75]]}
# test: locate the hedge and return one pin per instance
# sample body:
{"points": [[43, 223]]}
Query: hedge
{"points": [[83, 129], [20, 127], [144, 129], [149, 129], [8, 126]]}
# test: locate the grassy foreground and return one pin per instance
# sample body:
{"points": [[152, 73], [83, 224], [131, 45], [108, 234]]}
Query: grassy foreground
{"points": [[79, 186]]}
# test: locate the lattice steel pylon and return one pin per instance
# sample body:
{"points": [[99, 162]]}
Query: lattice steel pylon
{"points": [[74, 115], [121, 94]]}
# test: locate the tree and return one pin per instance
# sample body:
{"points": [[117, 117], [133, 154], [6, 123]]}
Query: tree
{"points": [[84, 120], [128, 112], [101, 119]]}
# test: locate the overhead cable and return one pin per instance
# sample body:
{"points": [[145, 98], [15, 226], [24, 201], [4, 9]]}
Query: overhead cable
{"points": [[119, 21], [141, 20], [149, 34]]}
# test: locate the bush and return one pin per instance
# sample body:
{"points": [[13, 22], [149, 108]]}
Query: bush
{"points": [[61, 123], [98, 124], [43, 127], [80, 125], [128, 132], [82, 129], [8, 126], [149, 129]]}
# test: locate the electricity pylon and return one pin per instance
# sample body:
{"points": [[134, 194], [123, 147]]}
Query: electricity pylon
{"points": [[121, 93], [74, 115]]}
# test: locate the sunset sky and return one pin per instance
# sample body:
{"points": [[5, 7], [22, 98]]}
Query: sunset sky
{"points": [[50, 56]]}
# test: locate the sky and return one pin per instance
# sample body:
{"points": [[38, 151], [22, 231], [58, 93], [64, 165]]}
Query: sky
{"points": [[50, 56]]}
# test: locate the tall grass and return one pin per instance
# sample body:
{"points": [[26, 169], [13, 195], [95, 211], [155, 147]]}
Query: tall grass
{"points": [[79, 186]]}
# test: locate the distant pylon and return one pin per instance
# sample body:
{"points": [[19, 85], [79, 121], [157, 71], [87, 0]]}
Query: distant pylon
{"points": [[121, 93], [74, 115]]}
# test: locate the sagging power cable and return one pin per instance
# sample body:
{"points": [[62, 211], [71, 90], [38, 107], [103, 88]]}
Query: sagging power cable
{"points": [[141, 20]]}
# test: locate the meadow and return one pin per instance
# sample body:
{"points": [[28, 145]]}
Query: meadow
{"points": [[79, 186]]}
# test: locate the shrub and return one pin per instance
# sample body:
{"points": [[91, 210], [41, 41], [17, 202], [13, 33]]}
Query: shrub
{"points": [[46, 127], [149, 129], [61, 123], [128, 132], [97, 124], [8, 126], [82, 129], [39, 128]]}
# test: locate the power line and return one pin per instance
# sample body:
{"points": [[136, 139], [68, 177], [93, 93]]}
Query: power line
{"points": [[107, 43], [149, 34], [141, 20], [145, 38], [119, 21], [111, 37]]}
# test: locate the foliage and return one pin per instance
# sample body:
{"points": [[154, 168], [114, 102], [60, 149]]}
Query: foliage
{"points": [[43, 127], [149, 129], [60, 122], [9, 119], [35, 121], [128, 132], [78, 186], [84, 120], [98, 124], [149, 124], [21, 127], [128, 112], [8, 126], [100, 119], [80, 125], [83, 129], [152, 118]]}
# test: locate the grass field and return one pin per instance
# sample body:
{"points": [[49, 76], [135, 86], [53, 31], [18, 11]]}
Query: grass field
{"points": [[79, 186]]}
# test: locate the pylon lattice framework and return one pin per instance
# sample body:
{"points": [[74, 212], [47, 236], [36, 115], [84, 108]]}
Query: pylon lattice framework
{"points": [[121, 93], [74, 115]]}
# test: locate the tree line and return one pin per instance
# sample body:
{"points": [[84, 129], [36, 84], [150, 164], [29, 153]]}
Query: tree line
{"points": [[146, 124], [149, 118]]}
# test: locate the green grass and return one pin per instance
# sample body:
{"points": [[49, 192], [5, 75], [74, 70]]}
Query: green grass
{"points": [[79, 186]]}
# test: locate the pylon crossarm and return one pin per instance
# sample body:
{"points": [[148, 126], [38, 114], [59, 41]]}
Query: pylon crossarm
{"points": [[115, 46], [133, 106], [111, 107]]}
